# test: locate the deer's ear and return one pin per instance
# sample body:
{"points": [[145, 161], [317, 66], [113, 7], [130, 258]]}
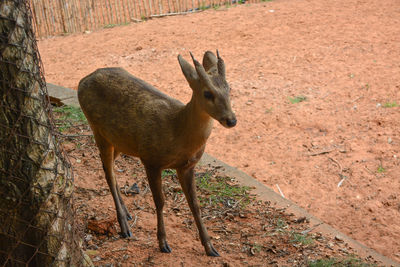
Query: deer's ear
{"points": [[190, 73], [210, 62]]}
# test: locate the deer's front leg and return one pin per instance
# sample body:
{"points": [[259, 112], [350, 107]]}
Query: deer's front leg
{"points": [[187, 181], [154, 177]]}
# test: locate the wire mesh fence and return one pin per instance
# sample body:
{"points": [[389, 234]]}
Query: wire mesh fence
{"points": [[37, 225], [55, 17]]}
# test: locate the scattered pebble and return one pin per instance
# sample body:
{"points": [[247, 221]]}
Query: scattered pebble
{"points": [[97, 258], [339, 238]]}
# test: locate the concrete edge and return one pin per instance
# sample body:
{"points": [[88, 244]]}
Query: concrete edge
{"points": [[265, 193], [62, 96], [68, 96]]}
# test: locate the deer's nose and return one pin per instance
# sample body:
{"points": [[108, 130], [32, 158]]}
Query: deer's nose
{"points": [[230, 122]]}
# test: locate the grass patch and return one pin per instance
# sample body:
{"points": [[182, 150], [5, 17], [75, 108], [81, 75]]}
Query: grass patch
{"points": [[280, 225], [390, 104], [109, 26], [168, 172], [68, 116], [301, 239], [334, 262], [219, 191], [297, 99], [269, 110], [381, 169]]}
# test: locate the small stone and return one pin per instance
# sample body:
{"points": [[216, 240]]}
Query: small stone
{"points": [[339, 238], [97, 258], [88, 237], [330, 245], [389, 140]]}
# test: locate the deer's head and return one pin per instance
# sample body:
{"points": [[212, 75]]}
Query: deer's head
{"points": [[210, 88]]}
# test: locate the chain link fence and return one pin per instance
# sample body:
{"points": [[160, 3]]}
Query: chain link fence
{"points": [[37, 225]]}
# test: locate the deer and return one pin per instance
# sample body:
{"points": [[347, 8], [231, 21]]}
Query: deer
{"points": [[129, 116]]}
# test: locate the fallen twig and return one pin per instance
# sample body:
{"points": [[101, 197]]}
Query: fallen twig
{"points": [[310, 229], [134, 220], [280, 191], [321, 152], [341, 181], [338, 164]]}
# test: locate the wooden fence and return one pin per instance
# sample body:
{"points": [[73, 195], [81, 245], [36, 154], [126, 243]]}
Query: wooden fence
{"points": [[56, 17]]}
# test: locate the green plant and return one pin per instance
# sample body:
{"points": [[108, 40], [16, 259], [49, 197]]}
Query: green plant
{"points": [[280, 225], [297, 99], [390, 104], [301, 239], [109, 26], [381, 169], [256, 248], [68, 116], [168, 172], [334, 262], [219, 190]]}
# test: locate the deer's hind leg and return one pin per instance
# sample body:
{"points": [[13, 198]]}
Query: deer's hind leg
{"points": [[107, 157], [128, 215]]}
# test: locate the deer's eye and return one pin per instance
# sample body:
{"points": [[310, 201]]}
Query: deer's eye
{"points": [[208, 95]]}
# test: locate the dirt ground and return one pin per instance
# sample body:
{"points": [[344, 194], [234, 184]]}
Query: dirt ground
{"points": [[334, 150], [246, 231]]}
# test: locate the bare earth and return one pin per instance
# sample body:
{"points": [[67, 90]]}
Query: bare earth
{"points": [[343, 56]]}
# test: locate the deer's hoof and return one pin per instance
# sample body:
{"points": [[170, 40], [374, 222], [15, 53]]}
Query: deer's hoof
{"points": [[127, 234], [212, 252], [165, 248]]}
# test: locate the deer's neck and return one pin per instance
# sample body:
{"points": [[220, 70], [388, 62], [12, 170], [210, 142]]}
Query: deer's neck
{"points": [[196, 125]]}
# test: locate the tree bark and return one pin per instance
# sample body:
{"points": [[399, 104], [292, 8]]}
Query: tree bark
{"points": [[36, 214]]}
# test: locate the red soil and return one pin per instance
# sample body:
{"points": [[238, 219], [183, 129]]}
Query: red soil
{"points": [[343, 56]]}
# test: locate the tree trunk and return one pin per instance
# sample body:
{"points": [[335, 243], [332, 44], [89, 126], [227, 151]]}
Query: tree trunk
{"points": [[36, 214]]}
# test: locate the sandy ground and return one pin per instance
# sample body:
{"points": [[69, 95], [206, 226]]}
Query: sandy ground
{"points": [[342, 56]]}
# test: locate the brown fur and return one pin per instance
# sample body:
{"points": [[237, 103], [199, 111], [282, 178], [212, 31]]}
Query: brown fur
{"points": [[129, 116]]}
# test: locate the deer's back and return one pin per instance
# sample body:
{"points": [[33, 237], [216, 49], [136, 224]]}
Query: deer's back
{"points": [[132, 115]]}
